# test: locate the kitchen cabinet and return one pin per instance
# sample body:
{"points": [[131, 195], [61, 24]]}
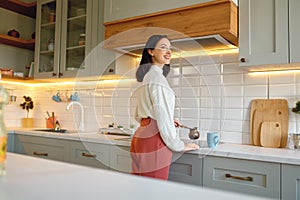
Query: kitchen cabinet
{"points": [[90, 154], [186, 168], [120, 158], [245, 176], [294, 30], [64, 38], [290, 182], [49, 148], [121, 9], [268, 32], [263, 32]]}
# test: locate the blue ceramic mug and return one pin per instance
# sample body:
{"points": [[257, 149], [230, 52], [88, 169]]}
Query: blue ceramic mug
{"points": [[213, 139], [74, 97], [56, 97]]}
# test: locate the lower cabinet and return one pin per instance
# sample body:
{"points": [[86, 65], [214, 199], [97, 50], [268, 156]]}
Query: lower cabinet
{"points": [[90, 154], [290, 182], [186, 168], [248, 177], [120, 158], [50, 148]]}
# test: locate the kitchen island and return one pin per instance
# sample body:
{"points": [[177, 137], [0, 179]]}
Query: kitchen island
{"points": [[35, 178]]}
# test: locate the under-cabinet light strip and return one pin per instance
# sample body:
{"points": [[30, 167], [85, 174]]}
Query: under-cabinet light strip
{"points": [[268, 72]]}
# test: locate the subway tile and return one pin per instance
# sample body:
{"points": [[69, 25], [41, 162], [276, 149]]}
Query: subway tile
{"points": [[210, 59], [233, 91], [232, 114], [232, 102], [258, 91], [210, 113], [190, 92], [232, 125], [282, 90], [284, 78], [190, 70], [233, 79], [209, 125], [230, 58], [188, 103], [231, 68], [210, 91], [231, 137], [252, 79], [189, 81], [212, 69], [190, 113], [210, 102]]}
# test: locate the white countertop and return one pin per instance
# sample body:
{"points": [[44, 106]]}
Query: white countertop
{"points": [[35, 178], [239, 151]]}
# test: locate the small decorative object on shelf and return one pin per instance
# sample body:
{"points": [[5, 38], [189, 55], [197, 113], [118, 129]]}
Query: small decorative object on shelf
{"points": [[27, 105], [3, 133], [51, 45], [81, 40], [13, 33]]}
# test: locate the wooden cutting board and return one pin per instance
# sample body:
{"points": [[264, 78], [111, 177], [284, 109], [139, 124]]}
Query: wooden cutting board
{"points": [[270, 134], [271, 110]]}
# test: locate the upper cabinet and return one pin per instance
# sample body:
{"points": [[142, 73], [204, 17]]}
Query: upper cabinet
{"points": [[268, 32], [122, 9], [185, 19], [64, 32]]}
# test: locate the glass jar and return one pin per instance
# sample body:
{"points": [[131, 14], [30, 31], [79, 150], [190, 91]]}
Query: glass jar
{"points": [[81, 40], [51, 45], [3, 132]]}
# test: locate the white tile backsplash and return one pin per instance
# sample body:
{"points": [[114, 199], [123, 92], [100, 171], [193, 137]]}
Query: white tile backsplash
{"points": [[212, 93]]}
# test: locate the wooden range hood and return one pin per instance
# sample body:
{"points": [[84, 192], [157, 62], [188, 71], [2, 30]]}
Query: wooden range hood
{"points": [[219, 17]]}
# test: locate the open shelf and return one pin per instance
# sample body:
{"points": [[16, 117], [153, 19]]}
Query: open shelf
{"points": [[17, 42], [28, 9], [15, 78]]}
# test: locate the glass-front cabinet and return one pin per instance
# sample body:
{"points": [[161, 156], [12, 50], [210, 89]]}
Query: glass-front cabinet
{"points": [[64, 37]]}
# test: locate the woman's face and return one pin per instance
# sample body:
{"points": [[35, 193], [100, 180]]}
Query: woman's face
{"points": [[161, 54]]}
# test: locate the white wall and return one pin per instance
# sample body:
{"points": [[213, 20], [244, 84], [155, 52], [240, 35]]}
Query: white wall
{"points": [[213, 93]]}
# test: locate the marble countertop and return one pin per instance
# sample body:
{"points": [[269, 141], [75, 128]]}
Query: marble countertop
{"points": [[35, 178], [239, 151]]}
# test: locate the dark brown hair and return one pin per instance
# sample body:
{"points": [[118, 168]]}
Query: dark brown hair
{"points": [[146, 60]]}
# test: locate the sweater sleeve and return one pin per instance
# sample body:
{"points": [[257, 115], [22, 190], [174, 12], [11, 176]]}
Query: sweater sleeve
{"points": [[163, 101]]}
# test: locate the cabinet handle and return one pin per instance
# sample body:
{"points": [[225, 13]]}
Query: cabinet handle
{"points": [[248, 178], [60, 74], [39, 154], [243, 60], [88, 155], [54, 74]]}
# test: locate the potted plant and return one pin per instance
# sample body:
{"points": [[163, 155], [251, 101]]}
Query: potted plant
{"points": [[27, 105]]}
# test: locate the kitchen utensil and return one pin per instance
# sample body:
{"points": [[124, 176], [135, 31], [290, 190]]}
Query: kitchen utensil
{"points": [[269, 110], [194, 134], [270, 134], [213, 139], [48, 114], [257, 121]]}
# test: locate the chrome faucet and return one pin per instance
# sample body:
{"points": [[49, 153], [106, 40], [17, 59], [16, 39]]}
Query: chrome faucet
{"points": [[81, 125]]}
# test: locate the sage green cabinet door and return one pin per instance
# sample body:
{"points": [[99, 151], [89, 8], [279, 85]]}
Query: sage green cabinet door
{"points": [[120, 158], [186, 168], [294, 16], [66, 32], [290, 182], [121, 9], [244, 176], [49, 148], [90, 154], [263, 32]]}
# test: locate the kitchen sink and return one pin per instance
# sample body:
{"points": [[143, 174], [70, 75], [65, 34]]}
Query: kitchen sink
{"points": [[53, 131]]}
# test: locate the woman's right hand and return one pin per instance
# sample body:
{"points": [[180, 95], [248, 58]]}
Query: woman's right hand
{"points": [[191, 146]]}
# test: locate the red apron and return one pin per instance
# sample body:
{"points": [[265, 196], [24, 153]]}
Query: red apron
{"points": [[150, 156]]}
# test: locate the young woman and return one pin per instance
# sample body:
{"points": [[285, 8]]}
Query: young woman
{"points": [[153, 142]]}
